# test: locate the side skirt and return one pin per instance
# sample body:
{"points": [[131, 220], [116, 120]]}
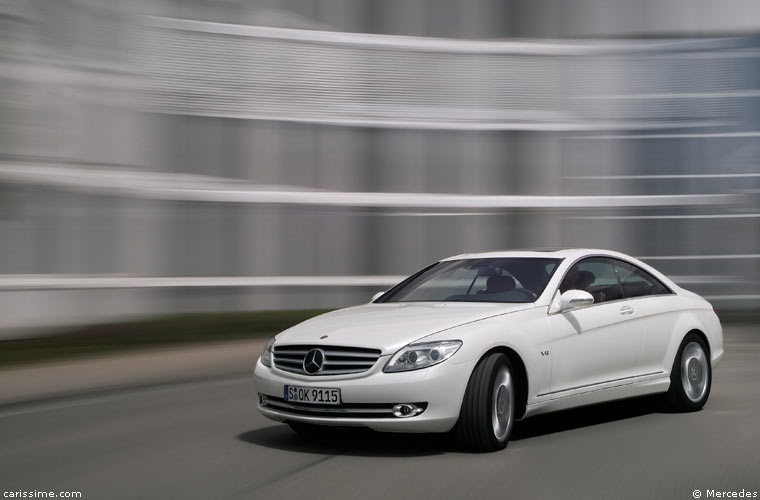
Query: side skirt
{"points": [[594, 395]]}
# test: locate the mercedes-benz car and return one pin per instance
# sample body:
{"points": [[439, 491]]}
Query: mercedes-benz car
{"points": [[474, 342]]}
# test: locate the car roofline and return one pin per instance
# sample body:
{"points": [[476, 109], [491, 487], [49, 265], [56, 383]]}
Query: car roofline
{"points": [[557, 254]]}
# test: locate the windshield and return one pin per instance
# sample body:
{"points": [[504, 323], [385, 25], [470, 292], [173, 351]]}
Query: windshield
{"points": [[510, 279]]}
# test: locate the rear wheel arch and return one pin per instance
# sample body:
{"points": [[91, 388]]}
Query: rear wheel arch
{"points": [[699, 333], [690, 374]]}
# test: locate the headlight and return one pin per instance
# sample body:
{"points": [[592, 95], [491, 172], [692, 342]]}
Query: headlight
{"points": [[422, 355], [266, 356]]}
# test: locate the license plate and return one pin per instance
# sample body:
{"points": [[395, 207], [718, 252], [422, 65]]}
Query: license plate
{"points": [[313, 395]]}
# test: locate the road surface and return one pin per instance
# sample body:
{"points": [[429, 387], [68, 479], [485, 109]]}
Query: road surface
{"points": [[203, 439]]}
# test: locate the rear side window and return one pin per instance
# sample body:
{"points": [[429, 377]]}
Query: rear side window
{"points": [[638, 283]]}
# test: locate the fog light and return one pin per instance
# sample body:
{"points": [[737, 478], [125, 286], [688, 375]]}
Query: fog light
{"points": [[262, 400], [406, 410]]}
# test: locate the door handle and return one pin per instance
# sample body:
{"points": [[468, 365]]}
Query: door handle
{"points": [[626, 310]]}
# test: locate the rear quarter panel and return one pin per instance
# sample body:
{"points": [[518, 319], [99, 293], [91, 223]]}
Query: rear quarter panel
{"points": [[694, 313]]}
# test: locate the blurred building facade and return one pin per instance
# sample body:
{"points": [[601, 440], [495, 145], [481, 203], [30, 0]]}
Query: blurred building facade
{"points": [[175, 156]]}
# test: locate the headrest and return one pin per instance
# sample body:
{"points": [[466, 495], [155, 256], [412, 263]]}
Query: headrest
{"points": [[585, 278], [500, 284]]}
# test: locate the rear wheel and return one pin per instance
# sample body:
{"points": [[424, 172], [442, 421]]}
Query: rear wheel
{"points": [[691, 375], [488, 408]]}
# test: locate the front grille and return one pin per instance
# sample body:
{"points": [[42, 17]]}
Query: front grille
{"points": [[339, 360], [352, 410]]}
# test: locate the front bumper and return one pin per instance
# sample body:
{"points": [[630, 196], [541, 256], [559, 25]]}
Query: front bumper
{"points": [[366, 397]]}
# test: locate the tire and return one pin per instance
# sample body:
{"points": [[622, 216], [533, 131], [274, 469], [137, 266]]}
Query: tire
{"points": [[488, 407], [691, 376]]}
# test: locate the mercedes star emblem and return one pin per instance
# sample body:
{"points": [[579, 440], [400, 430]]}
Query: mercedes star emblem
{"points": [[313, 361]]}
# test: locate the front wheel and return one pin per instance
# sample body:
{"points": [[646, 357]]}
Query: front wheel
{"points": [[691, 375], [488, 408]]}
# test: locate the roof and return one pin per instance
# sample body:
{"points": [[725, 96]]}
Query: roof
{"points": [[563, 253]]}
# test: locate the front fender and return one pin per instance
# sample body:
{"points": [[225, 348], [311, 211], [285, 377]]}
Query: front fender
{"points": [[520, 332]]}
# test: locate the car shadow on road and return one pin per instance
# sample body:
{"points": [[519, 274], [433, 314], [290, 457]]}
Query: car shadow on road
{"points": [[365, 442], [586, 416], [349, 441]]}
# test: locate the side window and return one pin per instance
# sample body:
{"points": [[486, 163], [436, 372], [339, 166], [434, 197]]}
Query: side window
{"points": [[596, 276], [638, 283]]}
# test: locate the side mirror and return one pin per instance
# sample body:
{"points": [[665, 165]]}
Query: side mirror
{"points": [[377, 296], [574, 299]]}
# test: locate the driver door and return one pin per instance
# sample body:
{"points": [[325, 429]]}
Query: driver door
{"points": [[593, 347]]}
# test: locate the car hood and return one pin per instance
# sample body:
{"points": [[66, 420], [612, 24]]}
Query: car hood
{"points": [[389, 327]]}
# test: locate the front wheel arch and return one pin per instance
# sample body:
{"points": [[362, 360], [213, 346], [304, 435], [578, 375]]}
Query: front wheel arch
{"points": [[521, 376]]}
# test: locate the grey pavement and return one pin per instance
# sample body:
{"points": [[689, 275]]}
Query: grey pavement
{"points": [[203, 439], [142, 368]]}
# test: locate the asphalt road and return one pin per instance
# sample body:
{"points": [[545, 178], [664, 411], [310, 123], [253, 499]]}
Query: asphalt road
{"points": [[205, 440]]}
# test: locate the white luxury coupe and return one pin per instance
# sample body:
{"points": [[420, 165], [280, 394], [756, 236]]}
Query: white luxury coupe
{"points": [[474, 342]]}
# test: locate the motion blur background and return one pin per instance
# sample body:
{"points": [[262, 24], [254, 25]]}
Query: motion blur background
{"points": [[195, 155]]}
